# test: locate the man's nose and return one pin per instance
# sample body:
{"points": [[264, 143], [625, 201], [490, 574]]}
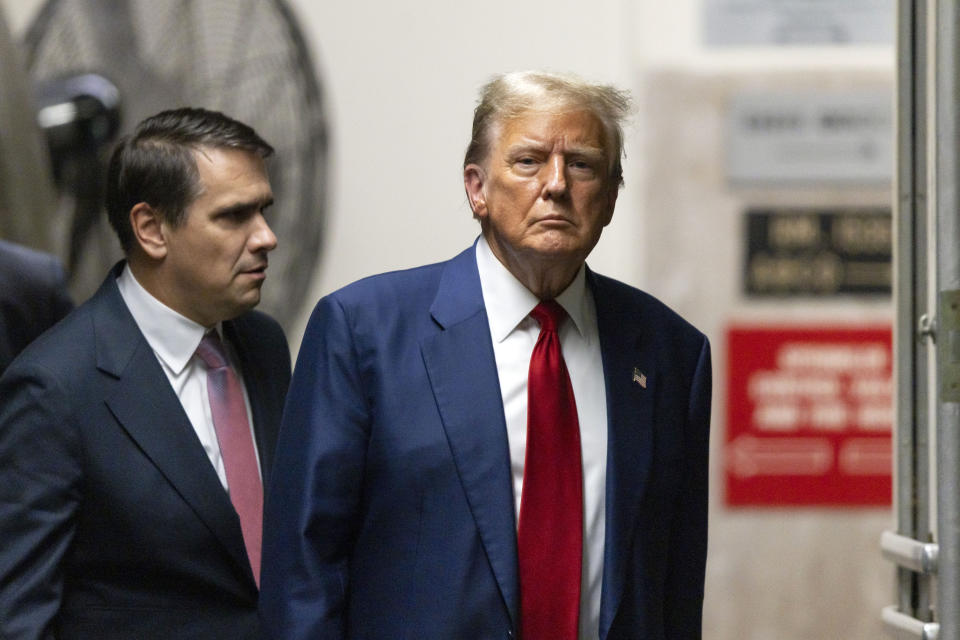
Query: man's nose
{"points": [[262, 238], [555, 183]]}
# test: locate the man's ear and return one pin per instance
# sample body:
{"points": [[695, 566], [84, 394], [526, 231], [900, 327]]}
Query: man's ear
{"points": [[473, 181], [611, 203], [148, 230]]}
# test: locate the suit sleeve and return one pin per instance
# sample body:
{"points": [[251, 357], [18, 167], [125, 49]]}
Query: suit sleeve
{"points": [[60, 302], [40, 479], [683, 609], [312, 506]]}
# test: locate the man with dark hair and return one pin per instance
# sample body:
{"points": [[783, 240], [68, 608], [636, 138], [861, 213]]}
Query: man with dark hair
{"points": [[33, 297], [136, 435], [505, 444]]}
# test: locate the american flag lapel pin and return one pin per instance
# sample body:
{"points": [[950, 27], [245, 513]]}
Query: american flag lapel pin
{"points": [[639, 378]]}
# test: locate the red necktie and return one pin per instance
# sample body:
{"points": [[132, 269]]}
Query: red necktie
{"points": [[550, 535], [236, 444]]}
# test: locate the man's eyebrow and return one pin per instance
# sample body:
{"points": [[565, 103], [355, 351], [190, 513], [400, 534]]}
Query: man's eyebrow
{"points": [[584, 150], [527, 145], [570, 149], [240, 207]]}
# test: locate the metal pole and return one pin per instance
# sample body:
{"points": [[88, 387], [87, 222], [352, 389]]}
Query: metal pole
{"points": [[921, 324], [948, 319], [912, 488]]}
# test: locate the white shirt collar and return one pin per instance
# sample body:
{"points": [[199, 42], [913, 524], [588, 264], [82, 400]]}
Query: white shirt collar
{"points": [[508, 302], [172, 336]]}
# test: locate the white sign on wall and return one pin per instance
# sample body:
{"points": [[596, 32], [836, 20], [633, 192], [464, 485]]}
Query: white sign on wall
{"points": [[798, 22], [810, 136]]}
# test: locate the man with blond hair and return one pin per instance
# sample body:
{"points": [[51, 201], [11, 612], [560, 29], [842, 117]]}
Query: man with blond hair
{"points": [[505, 444]]}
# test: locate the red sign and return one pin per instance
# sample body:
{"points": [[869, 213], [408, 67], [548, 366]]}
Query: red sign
{"points": [[809, 416]]}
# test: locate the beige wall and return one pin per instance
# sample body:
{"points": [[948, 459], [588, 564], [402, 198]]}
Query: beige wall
{"points": [[774, 573], [400, 82]]}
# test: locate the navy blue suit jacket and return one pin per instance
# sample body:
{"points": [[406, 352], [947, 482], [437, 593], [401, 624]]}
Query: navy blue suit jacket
{"points": [[391, 512], [113, 522], [33, 297]]}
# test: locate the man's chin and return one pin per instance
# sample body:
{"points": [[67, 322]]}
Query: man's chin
{"points": [[558, 247], [244, 303], [251, 300]]}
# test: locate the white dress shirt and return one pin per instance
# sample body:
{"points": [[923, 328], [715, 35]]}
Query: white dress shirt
{"points": [[174, 339], [514, 333]]}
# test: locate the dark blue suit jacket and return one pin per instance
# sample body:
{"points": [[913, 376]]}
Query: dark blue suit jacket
{"points": [[391, 512], [112, 519], [33, 297]]}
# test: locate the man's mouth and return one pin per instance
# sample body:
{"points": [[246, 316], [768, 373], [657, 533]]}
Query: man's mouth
{"points": [[555, 218], [260, 270]]}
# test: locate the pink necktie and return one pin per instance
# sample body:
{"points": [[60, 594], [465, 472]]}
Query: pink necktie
{"points": [[236, 444], [550, 534]]}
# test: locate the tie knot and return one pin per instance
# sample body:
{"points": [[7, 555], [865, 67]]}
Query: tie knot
{"points": [[211, 351], [549, 314]]}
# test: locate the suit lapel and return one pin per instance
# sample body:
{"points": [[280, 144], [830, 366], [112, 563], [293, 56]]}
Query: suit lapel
{"points": [[147, 408], [630, 410], [462, 370]]}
